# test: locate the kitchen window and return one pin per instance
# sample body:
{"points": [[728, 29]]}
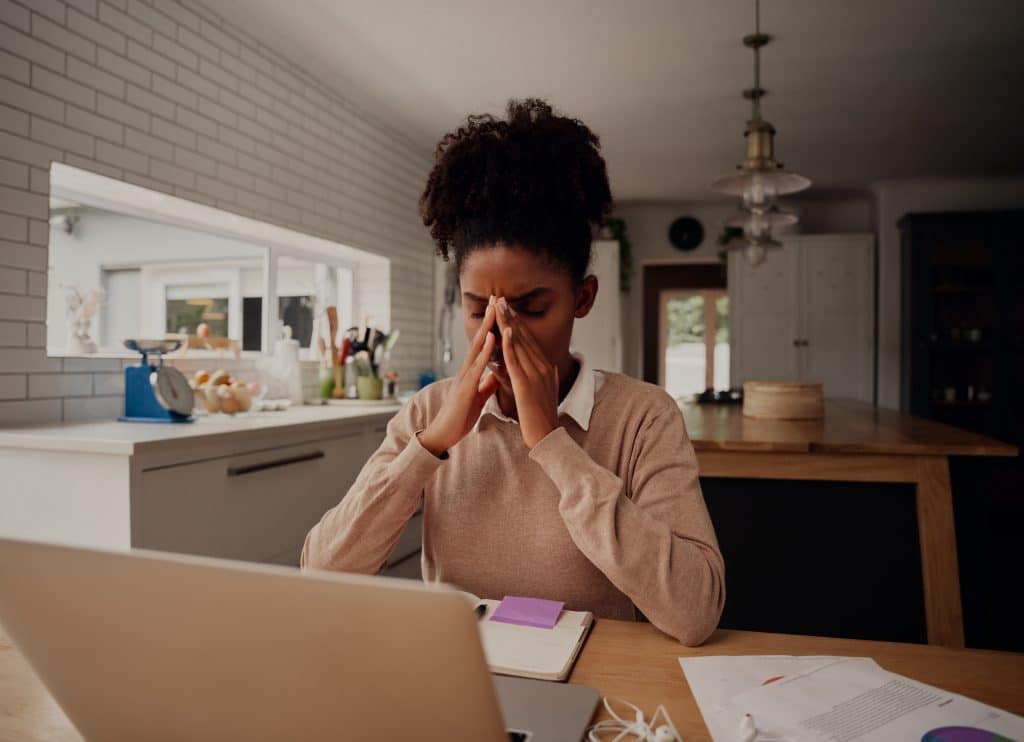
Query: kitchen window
{"points": [[152, 265]]}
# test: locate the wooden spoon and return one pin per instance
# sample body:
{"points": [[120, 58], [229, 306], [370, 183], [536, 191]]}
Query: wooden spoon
{"points": [[332, 323]]}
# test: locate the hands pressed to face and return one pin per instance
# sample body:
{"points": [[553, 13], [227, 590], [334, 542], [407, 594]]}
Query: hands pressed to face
{"points": [[523, 367], [534, 379]]}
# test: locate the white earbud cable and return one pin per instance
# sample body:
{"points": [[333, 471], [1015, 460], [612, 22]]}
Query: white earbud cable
{"points": [[639, 728]]}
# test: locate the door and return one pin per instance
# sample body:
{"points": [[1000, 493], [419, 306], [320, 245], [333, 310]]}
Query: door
{"points": [[838, 317], [765, 315]]}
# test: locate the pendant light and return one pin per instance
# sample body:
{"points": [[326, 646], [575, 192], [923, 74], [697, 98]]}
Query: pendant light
{"points": [[759, 180]]}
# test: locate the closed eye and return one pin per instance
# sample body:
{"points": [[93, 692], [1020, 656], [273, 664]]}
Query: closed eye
{"points": [[480, 315]]}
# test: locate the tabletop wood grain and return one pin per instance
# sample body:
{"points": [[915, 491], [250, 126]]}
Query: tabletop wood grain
{"points": [[849, 427], [633, 661]]}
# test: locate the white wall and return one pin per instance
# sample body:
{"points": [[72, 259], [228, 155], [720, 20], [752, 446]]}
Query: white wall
{"points": [[894, 199], [168, 95]]}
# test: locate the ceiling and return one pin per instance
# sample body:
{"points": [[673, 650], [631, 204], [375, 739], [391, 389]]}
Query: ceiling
{"points": [[858, 90]]}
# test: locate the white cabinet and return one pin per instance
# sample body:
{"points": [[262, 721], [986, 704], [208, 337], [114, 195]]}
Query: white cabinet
{"points": [[599, 335], [806, 314]]}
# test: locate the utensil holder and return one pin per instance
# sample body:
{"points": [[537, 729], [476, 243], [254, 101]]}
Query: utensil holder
{"points": [[369, 387]]}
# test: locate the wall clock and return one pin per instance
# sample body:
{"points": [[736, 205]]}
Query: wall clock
{"points": [[686, 233]]}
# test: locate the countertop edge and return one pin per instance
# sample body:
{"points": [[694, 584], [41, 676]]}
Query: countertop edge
{"points": [[29, 438]]}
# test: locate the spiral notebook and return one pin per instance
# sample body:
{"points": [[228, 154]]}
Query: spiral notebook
{"points": [[529, 652]]}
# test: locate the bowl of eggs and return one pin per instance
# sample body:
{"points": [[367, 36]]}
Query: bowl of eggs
{"points": [[219, 392]]}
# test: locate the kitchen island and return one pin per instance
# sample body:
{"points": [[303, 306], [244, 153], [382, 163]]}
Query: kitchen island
{"points": [[240, 487], [856, 442]]}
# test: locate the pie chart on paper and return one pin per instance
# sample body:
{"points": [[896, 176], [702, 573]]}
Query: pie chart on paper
{"points": [[963, 734]]}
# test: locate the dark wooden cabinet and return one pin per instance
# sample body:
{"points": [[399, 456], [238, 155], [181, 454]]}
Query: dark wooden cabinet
{"points": [[963, 364], [963, 320]]}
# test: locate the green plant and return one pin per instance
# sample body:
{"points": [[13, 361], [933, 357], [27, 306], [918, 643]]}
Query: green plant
{"points": [[728, 235], [617, 228]]}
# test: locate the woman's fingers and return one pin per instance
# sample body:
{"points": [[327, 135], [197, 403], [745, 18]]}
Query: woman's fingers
{"points": [[486, 388], [481, 334], [476, 369], [511, 354], [527, 339], [529, 360]]}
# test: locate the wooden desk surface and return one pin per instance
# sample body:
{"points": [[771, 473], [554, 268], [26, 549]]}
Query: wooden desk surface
{"points": [[849, 426], [637, 662], [628, 660]]}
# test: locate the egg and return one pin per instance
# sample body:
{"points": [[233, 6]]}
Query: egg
{"points": [[220, 376], [210, 399], [228, 403], [201, 376], [202, 330], [240, 392]]}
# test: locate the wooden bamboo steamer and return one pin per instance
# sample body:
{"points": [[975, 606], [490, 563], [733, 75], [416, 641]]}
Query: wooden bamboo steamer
{"points": [[783, 400]]}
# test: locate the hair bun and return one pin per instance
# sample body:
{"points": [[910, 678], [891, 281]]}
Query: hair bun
{"points": [[535, 179]]}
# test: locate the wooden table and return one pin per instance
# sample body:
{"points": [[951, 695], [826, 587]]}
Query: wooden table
{"points": [[857, 442], [633, 661]]}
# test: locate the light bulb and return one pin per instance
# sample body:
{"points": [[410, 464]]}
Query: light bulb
{"points": [[755, 253], [759, 195], [757, 228]]}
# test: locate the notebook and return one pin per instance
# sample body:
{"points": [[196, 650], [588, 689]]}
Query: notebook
{"points": [[528, 652]]}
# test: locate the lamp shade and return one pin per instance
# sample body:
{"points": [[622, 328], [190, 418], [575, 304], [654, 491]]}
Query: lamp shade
{"points": [[781, 181], [773, 218]]}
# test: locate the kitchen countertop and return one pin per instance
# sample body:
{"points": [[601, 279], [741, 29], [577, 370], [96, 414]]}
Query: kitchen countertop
{"points": [[849, 427], [125, 439]]}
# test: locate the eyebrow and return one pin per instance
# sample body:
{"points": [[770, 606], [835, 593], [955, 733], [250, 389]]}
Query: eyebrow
{"points": [[539, 291]]}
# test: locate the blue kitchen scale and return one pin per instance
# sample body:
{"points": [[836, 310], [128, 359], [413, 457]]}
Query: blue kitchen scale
{"points": [[153, 392]]}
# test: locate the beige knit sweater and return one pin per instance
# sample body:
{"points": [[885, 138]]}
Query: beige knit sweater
{"points": [[609, 519]]}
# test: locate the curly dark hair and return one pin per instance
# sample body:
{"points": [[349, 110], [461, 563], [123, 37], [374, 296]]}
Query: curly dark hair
{"points": [[535, 180]]}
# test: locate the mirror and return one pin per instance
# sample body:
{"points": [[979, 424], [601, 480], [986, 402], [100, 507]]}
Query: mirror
{"points": [[128, 262]]}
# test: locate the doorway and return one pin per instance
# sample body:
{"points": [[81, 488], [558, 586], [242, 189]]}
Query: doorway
{"points": [[685, 327]]}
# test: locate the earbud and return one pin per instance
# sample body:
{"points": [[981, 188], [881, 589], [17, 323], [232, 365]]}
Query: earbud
{"points": [[748, 731], [664, 734]]}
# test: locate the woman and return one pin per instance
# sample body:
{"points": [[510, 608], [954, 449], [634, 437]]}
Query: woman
{"points": [[538, 475]]}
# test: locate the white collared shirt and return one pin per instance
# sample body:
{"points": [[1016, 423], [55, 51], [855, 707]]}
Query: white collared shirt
{"points": [[578, 403]]}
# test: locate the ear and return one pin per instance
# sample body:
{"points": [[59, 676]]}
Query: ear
{"points": [[586, 294]]}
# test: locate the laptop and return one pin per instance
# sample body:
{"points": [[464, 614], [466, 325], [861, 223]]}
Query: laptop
{"points": [[147, 646]]}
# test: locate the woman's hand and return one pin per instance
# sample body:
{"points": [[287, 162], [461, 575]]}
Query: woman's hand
{"points": [[534, 379], [467, 394]]}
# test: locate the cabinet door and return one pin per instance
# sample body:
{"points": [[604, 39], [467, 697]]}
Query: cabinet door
{"points": [[763, 308], [257, 506], [838, 314]]}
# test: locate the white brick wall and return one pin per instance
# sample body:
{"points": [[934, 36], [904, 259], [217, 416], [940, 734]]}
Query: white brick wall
{"points": [[168, 95]]}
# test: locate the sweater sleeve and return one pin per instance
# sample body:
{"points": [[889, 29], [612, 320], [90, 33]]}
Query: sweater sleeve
{"points": [[358, 533], [656, 544]]}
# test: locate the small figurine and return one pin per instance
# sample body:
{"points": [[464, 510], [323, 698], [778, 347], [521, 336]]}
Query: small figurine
{"points": [[80, 310]]}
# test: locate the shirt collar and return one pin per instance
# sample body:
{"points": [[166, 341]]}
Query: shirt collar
{"points": [[578, 403]]}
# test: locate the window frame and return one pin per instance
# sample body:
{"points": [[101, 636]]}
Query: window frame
{"points": [[710, 295]]}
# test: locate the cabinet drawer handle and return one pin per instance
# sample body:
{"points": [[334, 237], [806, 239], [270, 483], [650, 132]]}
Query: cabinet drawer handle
{"points": [[238, 471]]}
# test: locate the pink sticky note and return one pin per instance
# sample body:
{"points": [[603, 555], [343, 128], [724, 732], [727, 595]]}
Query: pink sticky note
{"points": [[536, 612]]}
